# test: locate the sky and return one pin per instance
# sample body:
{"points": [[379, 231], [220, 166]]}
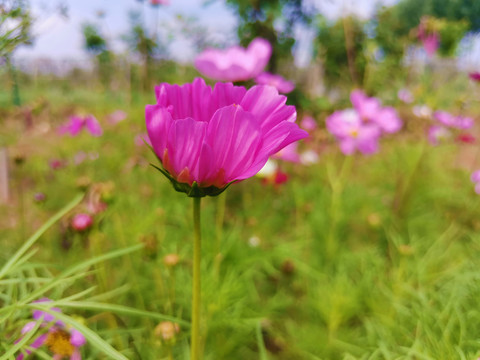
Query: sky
{"points": [[61, 38]]}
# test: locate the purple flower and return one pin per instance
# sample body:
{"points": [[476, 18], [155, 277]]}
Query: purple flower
{"points": [[77, 123], [289, 153], [476, 180], [308, 123], [371, 110], [207, 139], [62, 340], [352, 133], [447, 119], [82, 222], [116, 117], [429, 38], [235, 63], [283, 86], [437, 134], [405, 96], [475, 76]]}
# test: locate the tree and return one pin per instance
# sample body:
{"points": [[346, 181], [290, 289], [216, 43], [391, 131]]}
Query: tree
{"points": [[15, 24]]}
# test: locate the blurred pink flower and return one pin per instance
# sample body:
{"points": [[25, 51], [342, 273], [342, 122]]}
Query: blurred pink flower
{"points": [[288, 153], [116, 117], [429, 39], [437, 134], [77, 123], [308, 123], [159, 2], [466, 138], [283, 86], [475, 75], [352, 133], [370, 110], [476, 180], [235, 63], [405, 96], [309, 157], [422, 111], [141, 139], [63, 341], [207, 139], [56, 164], [447, 119], [82, 222]]}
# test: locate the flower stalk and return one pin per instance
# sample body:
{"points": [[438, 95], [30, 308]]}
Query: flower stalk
{"points": [[196, 300]]}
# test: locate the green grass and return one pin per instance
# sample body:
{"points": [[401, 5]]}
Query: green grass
{"points": [[400, 281]]}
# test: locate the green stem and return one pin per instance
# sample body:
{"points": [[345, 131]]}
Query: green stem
{"points": [[195, 331], [337, 183]]}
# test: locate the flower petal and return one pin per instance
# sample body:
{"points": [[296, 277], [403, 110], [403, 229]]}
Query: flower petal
{"points": [[184, 144], [76, 338], [93, 126], [35, 345], [189, 100], [158, 121], [268, 106], [235, 138]]}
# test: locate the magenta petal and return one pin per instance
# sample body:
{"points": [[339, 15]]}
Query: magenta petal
{"points": [[268, 106], [93, 126], [184, 145], [225, 94], [348, 146], [28, 327], [475, 176], [189, 100], [235, 63], [76, 355], [235, 138], [261, 50], [35, 345], [76, 338], [282, 135], [158, 121], [388, 120]]}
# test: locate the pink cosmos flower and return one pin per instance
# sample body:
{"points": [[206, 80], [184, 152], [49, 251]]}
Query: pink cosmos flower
{"points": [[476, 180], [82, 222], [116, 117], [466, 138], [288, 153], [159, 2], [308, 123], [371, 110], [77, 123], [405, 96], [447, 119], [352, 133], [283, 86], [235, 63], [475, 75], [429, 39], [62, 341], [56, 164], [437, 134], [141, 139], [207, 139]]}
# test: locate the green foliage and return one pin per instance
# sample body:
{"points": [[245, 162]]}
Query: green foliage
{"points": [[94, 42], [15, 23], [341, 46]]}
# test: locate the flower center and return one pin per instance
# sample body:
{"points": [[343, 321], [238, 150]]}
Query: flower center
{"points": [[58, 342], [354, 133]]}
